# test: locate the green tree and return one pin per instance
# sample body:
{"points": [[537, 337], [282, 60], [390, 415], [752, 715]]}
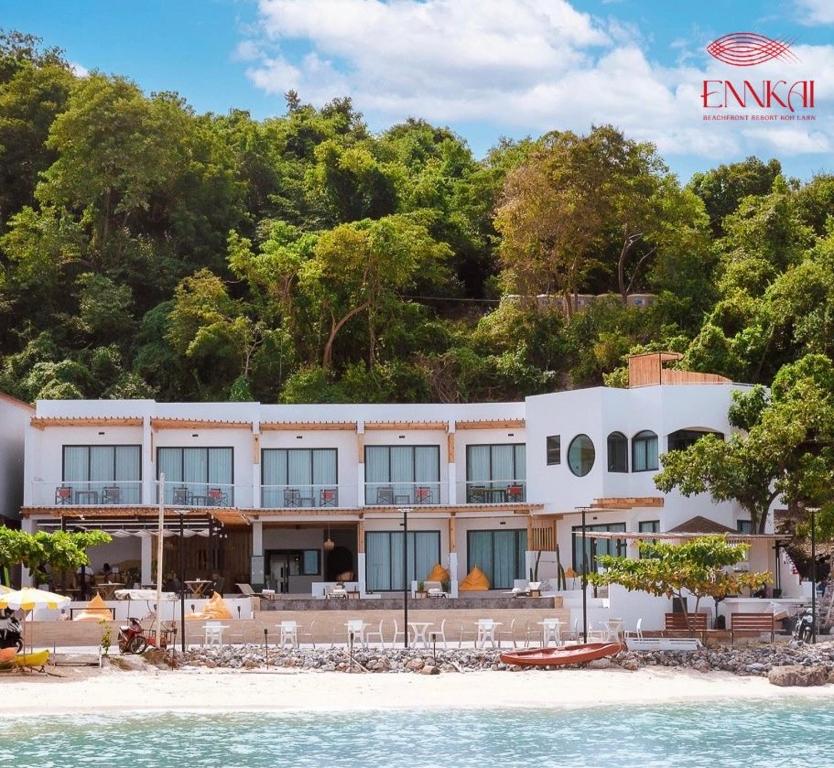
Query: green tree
{"points": [[698, 567]]}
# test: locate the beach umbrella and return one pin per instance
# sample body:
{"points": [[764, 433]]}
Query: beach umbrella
{"points": [[29, 598]]}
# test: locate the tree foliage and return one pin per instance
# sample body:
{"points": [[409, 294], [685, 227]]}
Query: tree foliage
{"points": [[701, 567]]}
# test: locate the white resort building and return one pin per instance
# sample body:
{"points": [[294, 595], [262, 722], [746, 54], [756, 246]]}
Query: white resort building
{"points": [[297, 497]]}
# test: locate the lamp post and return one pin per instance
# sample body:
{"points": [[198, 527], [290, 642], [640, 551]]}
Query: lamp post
{"points": [[182, 578], [584, 583], [405, 577], [813, 575]]}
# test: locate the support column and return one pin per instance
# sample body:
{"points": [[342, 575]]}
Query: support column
{"points": [[531, 553], [257, 570], [453, 557], [146, 570], [256, 469], [360, 556], [450, 457], [148, 464], [360, 466]]}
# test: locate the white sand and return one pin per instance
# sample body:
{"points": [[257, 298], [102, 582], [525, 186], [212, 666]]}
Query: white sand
{"points": [[216, 690]]}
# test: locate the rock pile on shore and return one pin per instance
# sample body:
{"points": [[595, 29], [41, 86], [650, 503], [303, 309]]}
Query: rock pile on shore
{"points": [[751, 660]]}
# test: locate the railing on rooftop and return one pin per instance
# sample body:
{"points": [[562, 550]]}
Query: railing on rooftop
{"points": [[491, 491], [401, 494], [86, 493], [315, 495]]}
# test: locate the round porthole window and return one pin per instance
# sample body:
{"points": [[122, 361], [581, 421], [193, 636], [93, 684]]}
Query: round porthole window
{"points": [[581, 455]]}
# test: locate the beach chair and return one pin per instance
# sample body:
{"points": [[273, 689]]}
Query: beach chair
{"points": [[356, 628], [398, 634], [551, 632], [213, 633], [439, 634]]}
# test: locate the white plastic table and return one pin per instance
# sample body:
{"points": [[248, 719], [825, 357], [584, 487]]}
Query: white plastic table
{"points": [[289, 633], [486, 632], [214, 633], [420, 628]]}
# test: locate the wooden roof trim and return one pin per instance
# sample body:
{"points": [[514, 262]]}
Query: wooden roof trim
{"points": [[177, 423], [307, 426], [41, 422], [226, 515], [406, 425], [491, 424], [628, 502]]}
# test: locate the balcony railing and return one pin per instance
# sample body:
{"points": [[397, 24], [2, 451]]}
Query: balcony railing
{"points": [[202, 494], [492, 491], [316, 496], [398, 494], [87, 493]]}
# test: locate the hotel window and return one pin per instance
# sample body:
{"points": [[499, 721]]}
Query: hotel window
{"points": [[103, 474], [402, 474], [554, 450], [596, 547], [499, 554], [299, 477], [384, 558], [581, 455], [495, 473], [197, 476], [617, 452], [644, 451], [649, 526], [683, 438], [744, 526]]}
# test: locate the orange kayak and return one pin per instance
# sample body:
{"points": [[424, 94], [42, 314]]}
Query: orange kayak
{"points": [[557, 657]]}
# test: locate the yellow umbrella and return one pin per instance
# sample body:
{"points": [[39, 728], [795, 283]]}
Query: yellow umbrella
{"points": [[29, 598]]}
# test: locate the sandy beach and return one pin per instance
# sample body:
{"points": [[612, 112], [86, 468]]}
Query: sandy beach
{"points": [[80, 691]]}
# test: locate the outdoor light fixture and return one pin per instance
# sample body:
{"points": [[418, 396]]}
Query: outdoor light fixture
{"points": [[329, 544]]}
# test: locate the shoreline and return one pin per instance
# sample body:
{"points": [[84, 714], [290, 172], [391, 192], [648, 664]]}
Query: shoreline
{"points": [[87, 692]]}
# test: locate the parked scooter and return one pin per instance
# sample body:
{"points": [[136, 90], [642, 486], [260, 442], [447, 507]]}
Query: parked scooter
{"points": [[134, 638], [804, 627]]}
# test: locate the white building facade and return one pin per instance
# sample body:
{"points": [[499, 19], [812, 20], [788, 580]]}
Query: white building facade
{"points": [[296, 496]]}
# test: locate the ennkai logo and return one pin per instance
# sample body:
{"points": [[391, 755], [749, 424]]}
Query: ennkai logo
{"points": [[749, 49]]}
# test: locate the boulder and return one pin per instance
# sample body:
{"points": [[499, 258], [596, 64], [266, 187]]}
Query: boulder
{"points": [[600, 664], [415, 665], [429, 669], [797, 675]]}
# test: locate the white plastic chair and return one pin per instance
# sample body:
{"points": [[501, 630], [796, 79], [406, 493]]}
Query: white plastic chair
{"points": [[637, 631], [369, 636], [213, 633], [486, 633], [398, 634], [289, 633], [551, 631], [439, 634], [356, 627]]}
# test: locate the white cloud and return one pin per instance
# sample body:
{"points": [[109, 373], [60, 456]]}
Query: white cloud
{"points": [[78, 70], [816, 11], [522, 65]]}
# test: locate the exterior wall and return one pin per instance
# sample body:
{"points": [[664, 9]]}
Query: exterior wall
{"points": [[14, 416]]}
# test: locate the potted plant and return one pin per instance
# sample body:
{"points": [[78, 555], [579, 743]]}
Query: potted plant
{"points": [[421, 589]]}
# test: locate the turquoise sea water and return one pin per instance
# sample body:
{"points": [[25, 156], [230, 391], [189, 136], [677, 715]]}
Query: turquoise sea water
{"points": [[725, 735]]}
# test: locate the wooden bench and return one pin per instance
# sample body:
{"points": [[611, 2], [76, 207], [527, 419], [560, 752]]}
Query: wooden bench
{"points": [[676, 622], [752, 622]]}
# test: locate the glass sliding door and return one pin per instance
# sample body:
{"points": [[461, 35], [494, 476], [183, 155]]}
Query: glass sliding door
{"points": [[202, 477], [496, 473], [499, 554], [299, 477], [402, 474], [384, 558], [595, 547], [101, 474]]}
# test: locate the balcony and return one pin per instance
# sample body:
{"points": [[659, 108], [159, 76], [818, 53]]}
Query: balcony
{"points": [[310, 496], [402, 494], [492, 491], [205, 494], [87, 493]]}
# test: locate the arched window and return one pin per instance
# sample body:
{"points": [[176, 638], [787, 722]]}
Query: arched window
{"points": [[683, 438], [644, 451], [617, 452], [581, 455]]}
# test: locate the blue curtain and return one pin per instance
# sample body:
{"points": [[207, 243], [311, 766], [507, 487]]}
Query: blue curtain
{"points": [[384, 558], [480, 552], [377, 561]]}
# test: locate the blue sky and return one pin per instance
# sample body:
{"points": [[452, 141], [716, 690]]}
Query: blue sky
{"points": [[487, 68]]}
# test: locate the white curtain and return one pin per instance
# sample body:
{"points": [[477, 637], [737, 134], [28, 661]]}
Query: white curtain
{"points": [[324, 466], [477, 463], [300, 467], [219, 471], [76, 463]]}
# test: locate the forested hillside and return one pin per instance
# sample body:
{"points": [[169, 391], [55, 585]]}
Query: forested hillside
{"points": [[150, 251]]}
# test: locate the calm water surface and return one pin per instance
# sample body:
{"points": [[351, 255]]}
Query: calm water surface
{"points": [[725, 735]]}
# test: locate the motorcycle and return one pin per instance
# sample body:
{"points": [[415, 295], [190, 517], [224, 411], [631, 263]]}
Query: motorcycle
{"points": [[11, 635], [134, 638], [804, 627]]}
